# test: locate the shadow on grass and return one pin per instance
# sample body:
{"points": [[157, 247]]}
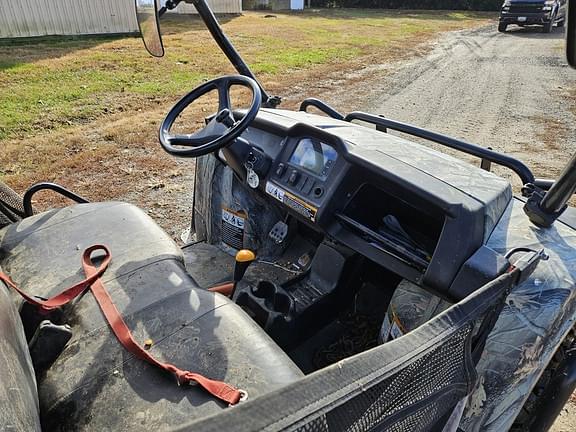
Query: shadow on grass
{"points": [[20, 51]]}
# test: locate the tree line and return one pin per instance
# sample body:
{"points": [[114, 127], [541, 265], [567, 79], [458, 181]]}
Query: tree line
{"points": [[478, 5]]}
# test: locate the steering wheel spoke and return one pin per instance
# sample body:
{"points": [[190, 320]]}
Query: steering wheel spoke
{"points": [[189, 141], [222, 130], [224, 97]]}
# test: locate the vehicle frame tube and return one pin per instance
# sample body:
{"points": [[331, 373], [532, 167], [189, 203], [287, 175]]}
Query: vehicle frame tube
{"points": [[562, 190]]}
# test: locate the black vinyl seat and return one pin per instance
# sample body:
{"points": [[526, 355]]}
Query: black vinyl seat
{"points": [[95, 384], [18, 394]]}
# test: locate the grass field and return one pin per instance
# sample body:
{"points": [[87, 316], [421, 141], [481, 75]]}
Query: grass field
{"points": [[68, 105]]}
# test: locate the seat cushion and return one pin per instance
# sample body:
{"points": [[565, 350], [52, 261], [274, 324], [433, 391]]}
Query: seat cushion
{"points": [[95, 383]]}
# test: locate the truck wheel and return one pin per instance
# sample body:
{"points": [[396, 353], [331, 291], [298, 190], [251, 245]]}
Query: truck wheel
{"points": [[548, 27], [502, 27]]}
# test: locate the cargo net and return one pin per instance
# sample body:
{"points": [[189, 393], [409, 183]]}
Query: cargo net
{"points": [[11, 207], [416, 398]]}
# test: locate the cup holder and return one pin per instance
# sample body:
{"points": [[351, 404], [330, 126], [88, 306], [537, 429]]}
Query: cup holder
{"points": [[274, 299], [264, 290], [281, 303]]}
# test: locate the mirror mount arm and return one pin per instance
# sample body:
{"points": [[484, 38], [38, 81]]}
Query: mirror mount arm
{"points": [[544, 208], [226, 46], [169, 5]]}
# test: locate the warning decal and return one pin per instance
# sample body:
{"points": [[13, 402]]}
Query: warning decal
{"points": [[292, 201], [275, 191], [233, 228], [391, 328]]}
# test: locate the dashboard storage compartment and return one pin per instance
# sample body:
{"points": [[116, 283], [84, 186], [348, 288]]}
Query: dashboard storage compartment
{"points": [[407, 231]]}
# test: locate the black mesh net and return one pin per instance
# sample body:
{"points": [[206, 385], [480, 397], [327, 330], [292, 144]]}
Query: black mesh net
{"points": [[435, 381]]}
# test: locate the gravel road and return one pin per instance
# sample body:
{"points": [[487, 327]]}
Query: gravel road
{"points": [[507, 91]]}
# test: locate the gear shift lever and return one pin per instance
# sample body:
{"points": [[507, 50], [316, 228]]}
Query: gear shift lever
{"points": [[243, 259]]}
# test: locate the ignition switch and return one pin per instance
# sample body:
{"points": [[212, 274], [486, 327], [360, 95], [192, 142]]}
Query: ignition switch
{"points": [[257, 166]]}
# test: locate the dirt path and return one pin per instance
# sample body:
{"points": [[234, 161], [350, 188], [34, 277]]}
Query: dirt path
{"points": [[508, 91]]}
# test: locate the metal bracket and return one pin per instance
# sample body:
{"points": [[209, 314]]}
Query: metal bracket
{"points": [[533, 207], [48, 343]]}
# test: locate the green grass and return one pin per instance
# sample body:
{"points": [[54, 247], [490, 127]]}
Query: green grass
{"points": [[298, 58], [55, 83], [41, 95]]}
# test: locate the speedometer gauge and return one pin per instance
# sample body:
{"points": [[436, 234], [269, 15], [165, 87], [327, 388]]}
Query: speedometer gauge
{"points": [[314, 156]]}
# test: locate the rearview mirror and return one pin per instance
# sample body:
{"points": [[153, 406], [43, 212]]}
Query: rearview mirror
{"points": [[571, 34], [147, 14]]}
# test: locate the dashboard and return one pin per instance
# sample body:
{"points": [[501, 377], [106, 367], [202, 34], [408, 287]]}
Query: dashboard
{"points": [[416, 212]]}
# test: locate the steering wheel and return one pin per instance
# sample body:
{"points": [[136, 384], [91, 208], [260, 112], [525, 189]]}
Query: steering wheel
{"points": [[221, 130]]}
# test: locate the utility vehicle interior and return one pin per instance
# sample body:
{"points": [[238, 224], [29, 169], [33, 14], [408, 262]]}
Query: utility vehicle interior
{"points": [[303, 227]]}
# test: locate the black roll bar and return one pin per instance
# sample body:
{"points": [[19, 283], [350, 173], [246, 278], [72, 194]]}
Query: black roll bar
{"points": [[322, 106], [507, 161], [27, 198], [226, 46], [562, 190]]}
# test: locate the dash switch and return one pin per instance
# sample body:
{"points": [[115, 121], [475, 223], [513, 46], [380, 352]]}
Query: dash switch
{"points": [[294, 176]]}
